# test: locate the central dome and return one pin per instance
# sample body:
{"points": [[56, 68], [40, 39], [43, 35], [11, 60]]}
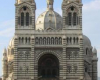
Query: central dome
{"points": [[49, 20]]}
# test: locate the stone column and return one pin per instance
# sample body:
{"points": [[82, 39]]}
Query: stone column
{"points": [[94, 69], [64, 67], [32, 59], [15, 66], [81, 60]]}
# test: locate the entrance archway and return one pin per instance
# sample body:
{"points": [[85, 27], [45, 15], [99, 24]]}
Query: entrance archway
{"points": [[48, 67]]}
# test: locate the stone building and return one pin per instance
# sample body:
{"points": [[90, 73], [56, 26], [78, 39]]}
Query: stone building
{"points": [[51, 48]]}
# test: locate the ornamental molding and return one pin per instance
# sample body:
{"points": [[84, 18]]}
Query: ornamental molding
{"points": [[40, 52]]}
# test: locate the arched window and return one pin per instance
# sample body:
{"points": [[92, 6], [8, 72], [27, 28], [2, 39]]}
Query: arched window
{"points": [[74, 19], [22, 40], [86, 70], [60, 40], [70, 40], [56, 41], [22, 19], [26, 40], [36, 40], [40, 41], [52, 40], [48, 40], [29, 40], [44, 41], [77, 40], [86, 51], [69, 19], [48, 67], [74, 40], [27, 19]]}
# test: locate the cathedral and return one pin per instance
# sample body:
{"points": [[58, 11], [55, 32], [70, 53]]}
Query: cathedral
{"points": [[51, 47]]}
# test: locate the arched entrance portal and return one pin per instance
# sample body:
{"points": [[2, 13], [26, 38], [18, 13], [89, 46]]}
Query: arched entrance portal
{"points": [[48, 67]]}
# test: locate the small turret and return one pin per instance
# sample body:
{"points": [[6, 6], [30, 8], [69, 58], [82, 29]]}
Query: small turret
{"points": [[94, 51], [94, 64], [5, 67], [4, 54]]}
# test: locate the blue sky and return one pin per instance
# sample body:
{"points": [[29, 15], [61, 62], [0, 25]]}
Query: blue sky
{"points": [[91, 21]]}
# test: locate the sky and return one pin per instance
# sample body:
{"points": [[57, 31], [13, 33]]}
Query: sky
{"points": [[91, 22]]}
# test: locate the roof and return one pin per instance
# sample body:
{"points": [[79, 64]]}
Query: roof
{"points": [[86, 41], [49, 20]]}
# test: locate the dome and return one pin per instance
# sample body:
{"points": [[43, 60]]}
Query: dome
{"points": [[86, 41], [49, 20], [11, 43]]}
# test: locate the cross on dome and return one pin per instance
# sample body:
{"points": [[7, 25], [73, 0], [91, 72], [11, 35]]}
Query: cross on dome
{"points": [[50, 4]]}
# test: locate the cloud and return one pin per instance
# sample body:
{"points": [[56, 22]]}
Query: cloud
{"points": [[8, 23], [91, 22], [7, 32], [91, 17], [7, 28], [93, 5]]}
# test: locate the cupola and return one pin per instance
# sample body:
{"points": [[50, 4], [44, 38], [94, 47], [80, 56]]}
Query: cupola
{"points": [[49, 20]]}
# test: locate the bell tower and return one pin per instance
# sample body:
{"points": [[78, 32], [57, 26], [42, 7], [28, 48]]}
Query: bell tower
{"points": [[72, 14], [23, 40], [25, 16], [72, 25]]}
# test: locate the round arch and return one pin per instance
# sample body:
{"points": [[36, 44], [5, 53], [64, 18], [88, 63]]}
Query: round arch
{"points": [[48, 66], [38, 56], [21, 6], [74, 5]]}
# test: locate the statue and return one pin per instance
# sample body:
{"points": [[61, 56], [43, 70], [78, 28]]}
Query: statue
{"points": [[50, 2]]}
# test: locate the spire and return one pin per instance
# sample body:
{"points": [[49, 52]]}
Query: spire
{"points": [[50, 4], [4, 51], [94, 54], [5, 54], [94, 50]]}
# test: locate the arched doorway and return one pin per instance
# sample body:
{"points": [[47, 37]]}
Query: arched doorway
{"points": [[48, 67]]}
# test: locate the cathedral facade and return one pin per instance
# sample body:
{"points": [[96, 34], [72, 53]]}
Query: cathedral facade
{"points": [[52, 47]]}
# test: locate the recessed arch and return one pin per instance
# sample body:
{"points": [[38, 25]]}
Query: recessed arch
{"points": [[20, 7], [70, 5], [48, 52], [48, 66]]}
